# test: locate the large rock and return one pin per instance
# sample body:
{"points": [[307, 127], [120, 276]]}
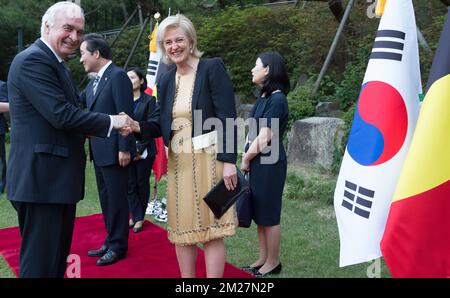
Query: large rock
{"points": [[329, 109], [312, 141], [243, 111]]}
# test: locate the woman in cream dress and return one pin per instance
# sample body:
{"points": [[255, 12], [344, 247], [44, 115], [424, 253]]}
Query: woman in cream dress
{"points": [[192, 94]]}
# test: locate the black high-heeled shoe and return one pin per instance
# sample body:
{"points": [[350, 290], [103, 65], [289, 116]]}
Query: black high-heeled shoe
{"points": [[251, 269], [138, 229], [131, 225], [275, 270]]}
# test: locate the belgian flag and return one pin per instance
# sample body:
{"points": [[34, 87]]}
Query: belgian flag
{"points": [[416, 241]]}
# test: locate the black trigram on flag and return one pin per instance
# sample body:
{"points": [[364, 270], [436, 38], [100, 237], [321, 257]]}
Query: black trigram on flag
{"points": [[152, 67], [388, 45], [358, 199]]}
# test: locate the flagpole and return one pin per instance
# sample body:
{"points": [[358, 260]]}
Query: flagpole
{"points": [[159, 167], [333, 48], [156, 16]]}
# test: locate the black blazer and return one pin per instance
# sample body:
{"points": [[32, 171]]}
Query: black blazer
{"points": [[144, 107], [3, 98], [114, 95], [47, 159], [213, 97]]}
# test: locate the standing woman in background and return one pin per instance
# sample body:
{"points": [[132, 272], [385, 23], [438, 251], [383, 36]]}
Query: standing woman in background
{"points": [[141, 166], [267, 178]]}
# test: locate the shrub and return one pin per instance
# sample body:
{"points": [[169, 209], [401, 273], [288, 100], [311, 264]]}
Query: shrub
{"points": [[300, 104], [347, 90], [239, 35]]}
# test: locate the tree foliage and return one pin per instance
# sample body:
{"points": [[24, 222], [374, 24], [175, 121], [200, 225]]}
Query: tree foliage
{"points": [[234, 31], [239, 35]]}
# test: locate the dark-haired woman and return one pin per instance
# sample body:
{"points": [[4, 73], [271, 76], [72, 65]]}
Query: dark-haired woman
{"points": [[265, 158], [141, 167]]}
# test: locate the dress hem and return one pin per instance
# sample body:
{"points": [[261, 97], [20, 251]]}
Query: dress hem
{"points": [[199, 237]]}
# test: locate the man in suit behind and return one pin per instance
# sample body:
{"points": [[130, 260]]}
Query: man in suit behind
{"points": [[3, 131], [110, 92], [47, 161]]}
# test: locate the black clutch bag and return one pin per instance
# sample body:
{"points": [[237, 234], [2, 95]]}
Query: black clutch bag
{"points": [[244, 207], [219, 199]]}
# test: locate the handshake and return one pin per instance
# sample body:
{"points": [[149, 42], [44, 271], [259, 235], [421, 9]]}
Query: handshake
{"points": [[125, 124]]}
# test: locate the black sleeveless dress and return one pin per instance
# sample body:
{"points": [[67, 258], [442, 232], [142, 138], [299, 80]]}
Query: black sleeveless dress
{"points": [[268, 169]]}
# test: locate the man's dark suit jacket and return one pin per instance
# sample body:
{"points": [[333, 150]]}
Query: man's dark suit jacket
{"points": [[213, 96], [114, 95], [3, 98], [47, 159], [3, 91], [3, 131], [144, 107]]}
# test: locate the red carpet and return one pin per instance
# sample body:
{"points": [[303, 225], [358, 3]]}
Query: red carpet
{"points": [[150, 254]]}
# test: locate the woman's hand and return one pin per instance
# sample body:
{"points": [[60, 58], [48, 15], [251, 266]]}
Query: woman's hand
{"points": [[245, 164], [230, 175], [129, 125]]}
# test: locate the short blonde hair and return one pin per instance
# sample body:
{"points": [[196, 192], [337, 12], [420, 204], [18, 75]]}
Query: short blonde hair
{"points": [[177, 21]]}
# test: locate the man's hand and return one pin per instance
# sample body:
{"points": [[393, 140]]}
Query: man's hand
{"points": [[119, 121], [129, 126], [124, 158], [230, 175]]}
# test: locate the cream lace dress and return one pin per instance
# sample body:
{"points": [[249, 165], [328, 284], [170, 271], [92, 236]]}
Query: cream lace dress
{"points": [[190, 176]]}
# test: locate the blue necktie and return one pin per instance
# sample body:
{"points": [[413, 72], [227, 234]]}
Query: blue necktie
{"points": [[66, 70], [95, 84], [67, 73]]}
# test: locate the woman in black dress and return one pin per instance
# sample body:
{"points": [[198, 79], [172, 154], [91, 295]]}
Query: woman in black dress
{"points": [[265, 158], [141, 167]]}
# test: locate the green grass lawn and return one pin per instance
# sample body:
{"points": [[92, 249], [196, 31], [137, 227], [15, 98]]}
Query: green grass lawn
{"points": [[310, 239]]}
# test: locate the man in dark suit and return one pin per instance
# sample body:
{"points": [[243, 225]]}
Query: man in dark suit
{"points": [[110, 92], [3, 131], [47, 159]]}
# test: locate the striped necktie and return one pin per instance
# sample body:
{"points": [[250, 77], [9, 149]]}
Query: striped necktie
{"points": [[95, 84]]}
